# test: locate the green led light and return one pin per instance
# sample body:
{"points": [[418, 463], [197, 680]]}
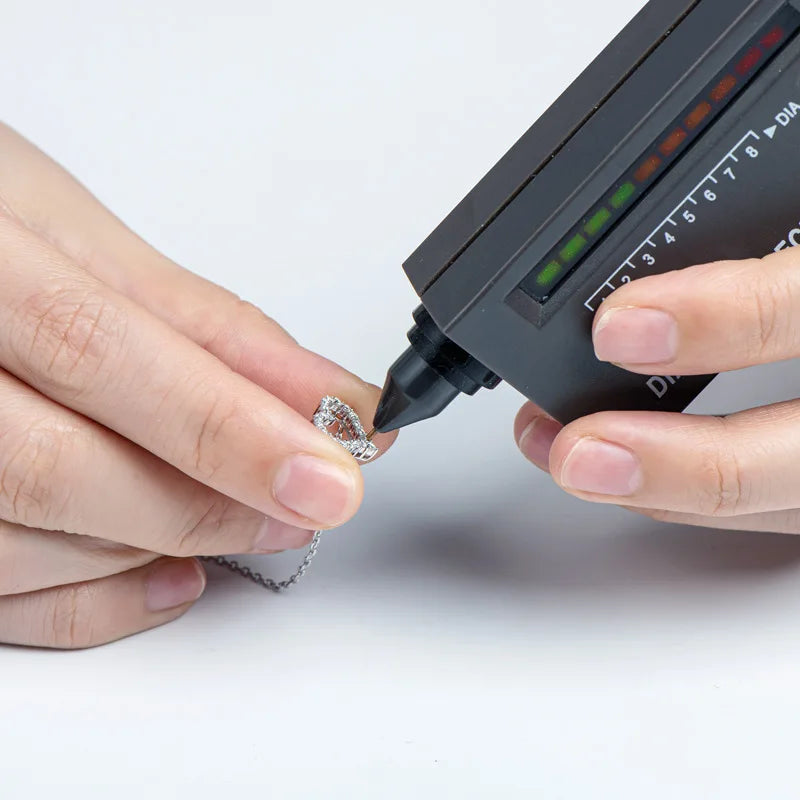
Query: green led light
{"points": [[622, 195], [597, 222], [572, 248], [549, 274]]}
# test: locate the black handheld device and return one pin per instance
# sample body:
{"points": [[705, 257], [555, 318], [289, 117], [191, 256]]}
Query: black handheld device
{"points": [[678, 145]]}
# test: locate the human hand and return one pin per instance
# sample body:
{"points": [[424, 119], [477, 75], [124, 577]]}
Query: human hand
{"points": [[737, 472], [146, 416]]}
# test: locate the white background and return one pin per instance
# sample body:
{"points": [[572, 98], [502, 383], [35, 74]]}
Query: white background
{"points": [[473, 632]]}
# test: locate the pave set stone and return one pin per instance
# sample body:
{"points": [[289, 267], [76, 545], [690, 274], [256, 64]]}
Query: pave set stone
{"points": [[341, 423]]}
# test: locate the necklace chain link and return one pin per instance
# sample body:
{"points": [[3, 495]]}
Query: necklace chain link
{"points": [[262, 580]]}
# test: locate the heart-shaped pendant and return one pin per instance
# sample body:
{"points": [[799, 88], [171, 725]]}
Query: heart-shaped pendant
{"points": [[337, 420], [341, 423]]}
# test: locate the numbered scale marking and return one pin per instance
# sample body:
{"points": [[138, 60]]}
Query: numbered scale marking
{"points": [[685, 213]]}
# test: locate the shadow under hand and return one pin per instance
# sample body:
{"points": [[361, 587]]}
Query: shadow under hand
{"points": [[563, 546]]}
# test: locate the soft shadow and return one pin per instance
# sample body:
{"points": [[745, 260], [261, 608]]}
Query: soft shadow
{"points": [[576, 547]]}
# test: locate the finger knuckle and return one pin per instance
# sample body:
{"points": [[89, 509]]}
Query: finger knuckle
{"points": [[235, 311], [215, 420], [31, 492], [211, 524], [767, 305], [204, 523], [764, 305], [71, 621], [725, 489], [68, 336], [107, 557], [220, 331]]}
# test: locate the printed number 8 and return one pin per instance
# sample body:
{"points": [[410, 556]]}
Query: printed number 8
{"points": [[752, 152]]}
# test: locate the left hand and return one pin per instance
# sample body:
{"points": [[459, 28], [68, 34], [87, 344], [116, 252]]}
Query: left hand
{"points": [[144, 412], [738, 472]]}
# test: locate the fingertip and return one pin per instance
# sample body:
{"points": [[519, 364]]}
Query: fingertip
{"points": [[525, 416], [536, 441], [636, 337], [172, 583], [383, 441], [604, 425], [202, 574]]}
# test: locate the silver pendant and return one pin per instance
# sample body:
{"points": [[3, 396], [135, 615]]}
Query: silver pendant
{"points": [[341, 423], [337, 420]]}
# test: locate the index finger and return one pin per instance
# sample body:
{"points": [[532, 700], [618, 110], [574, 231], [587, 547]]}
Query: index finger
{"points": [[54, 205], [90, 348], [705, 319]]}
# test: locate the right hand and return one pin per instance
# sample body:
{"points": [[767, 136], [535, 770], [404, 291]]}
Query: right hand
{"points": [[146, 416], [736, 471]]}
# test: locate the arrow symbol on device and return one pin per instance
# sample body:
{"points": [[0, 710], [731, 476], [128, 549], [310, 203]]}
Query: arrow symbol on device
{"points": [[771, 131]]}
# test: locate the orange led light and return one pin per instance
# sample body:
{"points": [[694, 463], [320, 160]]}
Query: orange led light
{"points": [[647, 169], [698, 115], [723, 88], [673, 141]]}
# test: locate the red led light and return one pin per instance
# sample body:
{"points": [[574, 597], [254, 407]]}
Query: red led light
{"points": [[698, 115], [673, 141], [773, 38], [749, 61], [647, 169], [723, 88]]}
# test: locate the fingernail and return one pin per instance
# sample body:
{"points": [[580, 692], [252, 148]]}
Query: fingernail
{"points": [[598, 467], [276, 535], [173, 583], [315, 489], [636, 336], [537, 440]]}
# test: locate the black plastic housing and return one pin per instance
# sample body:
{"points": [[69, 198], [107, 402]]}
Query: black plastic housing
{"points": [[468, 271]]}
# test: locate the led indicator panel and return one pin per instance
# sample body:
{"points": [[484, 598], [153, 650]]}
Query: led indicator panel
{"points": [[663, 154]]}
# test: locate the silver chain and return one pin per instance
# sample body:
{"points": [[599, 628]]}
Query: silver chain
{"points": [[261, 580], [341, 423]]}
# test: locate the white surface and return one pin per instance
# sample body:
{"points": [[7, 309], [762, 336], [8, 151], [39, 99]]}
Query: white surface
{"points": [[473, 633]]}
